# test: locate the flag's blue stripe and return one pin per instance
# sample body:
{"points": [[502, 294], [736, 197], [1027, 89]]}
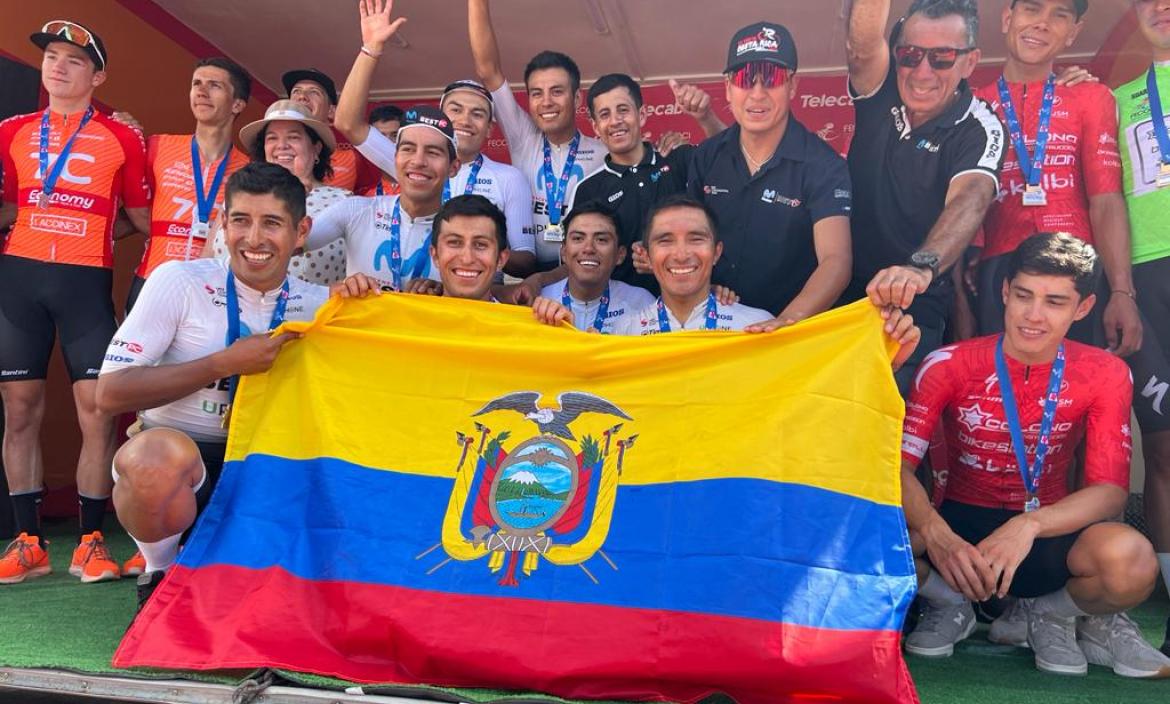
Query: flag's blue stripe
{"points": [[734, 547]]}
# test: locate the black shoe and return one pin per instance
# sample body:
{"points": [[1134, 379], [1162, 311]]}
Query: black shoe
{"points": [[147, 582], [1166, 642]]}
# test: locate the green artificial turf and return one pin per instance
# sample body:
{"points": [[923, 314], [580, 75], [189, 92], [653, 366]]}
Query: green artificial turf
{"points": [[57, 623]]}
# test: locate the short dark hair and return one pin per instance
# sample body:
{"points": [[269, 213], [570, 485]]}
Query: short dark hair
{"points": [[679, 200], [1081, 6], [593, 207], [936, 9], [241, 81], [1057, 254], [554, 59], [472, 206], [261, 178], [322, 169], [613, 81], [385, 113]]}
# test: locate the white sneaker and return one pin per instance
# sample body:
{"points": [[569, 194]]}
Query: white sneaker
{"points": [[939, 628], [1053, 640], [1115, 641], [1011, 628]]}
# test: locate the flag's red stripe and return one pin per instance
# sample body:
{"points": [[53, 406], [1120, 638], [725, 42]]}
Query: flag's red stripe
{"points": [[226, 617]]}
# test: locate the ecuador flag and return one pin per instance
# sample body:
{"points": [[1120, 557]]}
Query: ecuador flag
{"points": [[443, 492]]}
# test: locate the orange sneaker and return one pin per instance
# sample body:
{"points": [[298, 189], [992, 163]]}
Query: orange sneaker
{"points": [[92, 560], [22, 559], [135, 565]]}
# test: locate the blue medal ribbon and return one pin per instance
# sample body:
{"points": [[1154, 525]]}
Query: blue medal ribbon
{"points": [[473, 175], [555, 189], [205, 202], [1029, 473], [420, 265], [602, 307], [1159, 119], [234, 328], [710, 318], [1032, 166], [49, 176]]}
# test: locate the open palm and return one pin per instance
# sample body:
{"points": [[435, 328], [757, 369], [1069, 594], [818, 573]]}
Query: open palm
{"points": [[377, 27]]}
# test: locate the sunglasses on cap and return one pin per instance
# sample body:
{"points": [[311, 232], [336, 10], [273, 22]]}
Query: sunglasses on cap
{"points": [[940, 58], [769, 75], [74, 34]]}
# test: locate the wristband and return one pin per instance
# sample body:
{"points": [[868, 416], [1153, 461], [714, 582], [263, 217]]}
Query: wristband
{"points": [[370, 53], [1131, 294]]}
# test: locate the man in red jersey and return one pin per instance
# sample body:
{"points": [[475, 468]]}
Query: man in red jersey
{"points": [[1014, 407], [1062, 172], [66, 172]]}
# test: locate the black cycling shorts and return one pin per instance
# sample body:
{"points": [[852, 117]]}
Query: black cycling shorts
{"points": [[136, 285], [1043, 571], [1151, 364], [38, 301]]}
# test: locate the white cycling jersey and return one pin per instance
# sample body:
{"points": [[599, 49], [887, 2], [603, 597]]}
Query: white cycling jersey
{"points": [[733, 317], [623, 300]]}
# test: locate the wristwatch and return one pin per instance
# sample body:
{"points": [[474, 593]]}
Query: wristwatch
{"points": [[923, 259]]}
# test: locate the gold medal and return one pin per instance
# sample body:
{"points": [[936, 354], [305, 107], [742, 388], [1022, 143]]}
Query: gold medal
{"points": [[227, 417], [1163, 175]]}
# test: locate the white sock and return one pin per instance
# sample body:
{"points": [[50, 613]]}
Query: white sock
{"points": [[938, 592], [1060, 603], [161, 554], [1164, 561]]}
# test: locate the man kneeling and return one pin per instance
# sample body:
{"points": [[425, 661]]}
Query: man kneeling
{"points": [[1014, 407], [179, 353]]}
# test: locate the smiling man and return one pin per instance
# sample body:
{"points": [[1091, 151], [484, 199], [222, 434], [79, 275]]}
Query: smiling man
{"points": [[468, 105], [388, 237], [1014, 408], [470, 246], [177, 358], [1063, 171]]}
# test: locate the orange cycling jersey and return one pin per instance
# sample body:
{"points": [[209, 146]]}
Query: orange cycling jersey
{"points": [[352, 171], [168, 157], [105, 169]]}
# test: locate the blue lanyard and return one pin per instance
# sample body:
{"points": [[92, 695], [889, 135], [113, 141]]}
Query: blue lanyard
{"points": [[49, 177], [396, 250], [711, 318], [556, 189], [233, 317], [379, 191], [1030, 474], [1158, 116], [602, 307], [1032, 168], [206, 202], [473, 175]]}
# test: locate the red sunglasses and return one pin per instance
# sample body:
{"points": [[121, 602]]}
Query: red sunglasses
{"points": [[940, 58], [769, 75]]}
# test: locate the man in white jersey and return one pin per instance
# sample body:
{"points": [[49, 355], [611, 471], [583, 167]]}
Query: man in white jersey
{"points": [[544, 142], [388, 237], [469, 247], [469, 107], [197, 326], [591, 251]]}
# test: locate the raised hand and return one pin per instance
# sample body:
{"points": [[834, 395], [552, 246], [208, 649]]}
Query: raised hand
{"points": [[377, 27]]}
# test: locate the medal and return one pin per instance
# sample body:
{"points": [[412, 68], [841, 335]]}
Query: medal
{"points": [[1032, 504], [1163, 175], [1035, 196], [204, 201], [554, 233], [200, 230], [43, 201], [50, 175], [555, 190], [226, 420]]}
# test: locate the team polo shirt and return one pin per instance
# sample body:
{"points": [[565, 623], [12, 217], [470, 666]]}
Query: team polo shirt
{"points": [[502, 184], [1081, 161], [736, 316], [351, 171], [631, 191], [766, 220], [180, 317], [174, 206], [526, 147], [364, 223], [106, 169], [624, 299], [901, 176]]}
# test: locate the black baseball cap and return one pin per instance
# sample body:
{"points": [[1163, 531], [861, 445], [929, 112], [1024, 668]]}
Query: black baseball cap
{"points": [[76, 34], [469, 86], [1082, 6], [762, 41], [291, 78], [430, 117]]}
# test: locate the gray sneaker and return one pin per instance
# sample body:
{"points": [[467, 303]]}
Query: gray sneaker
{"points": [[939, 628], [1115, 641], [1011, 628], [1053, 639]]}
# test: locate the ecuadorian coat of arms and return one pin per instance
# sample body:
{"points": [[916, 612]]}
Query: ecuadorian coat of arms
{"points": [[548, 496]]}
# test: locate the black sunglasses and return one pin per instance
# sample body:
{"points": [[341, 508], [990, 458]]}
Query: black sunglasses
{"points": [[940, 58]]}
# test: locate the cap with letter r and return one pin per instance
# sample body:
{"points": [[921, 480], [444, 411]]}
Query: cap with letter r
{"points": [[762, 41]]}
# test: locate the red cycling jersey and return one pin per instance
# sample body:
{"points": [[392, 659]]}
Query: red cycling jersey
{"points": [[1082, 160], [106, 169], [352, 171], [959, 385]]}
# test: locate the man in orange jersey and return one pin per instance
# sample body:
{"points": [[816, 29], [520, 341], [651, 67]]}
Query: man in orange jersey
{"points": [[66, 172], [317, 92], [187, 171]]}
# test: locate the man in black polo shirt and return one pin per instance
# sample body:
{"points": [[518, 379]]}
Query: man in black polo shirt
{"points": [[781, 194], [925, 157]]}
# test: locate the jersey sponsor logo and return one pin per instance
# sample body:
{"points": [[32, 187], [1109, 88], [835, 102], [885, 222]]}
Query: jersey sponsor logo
{"points": [[900, 122], [763, 41], [67, 200], [13, 372], [119, 359], [973, 417], [714, 190], [177, 230], [67, 173], [131, 347], [178, 250], [770, 196], [58, 224], [1156, 391], [1050, 182], [937, 357], [915, 446], [928, 146], [615, 196], [825, 100], [842, 194]]}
